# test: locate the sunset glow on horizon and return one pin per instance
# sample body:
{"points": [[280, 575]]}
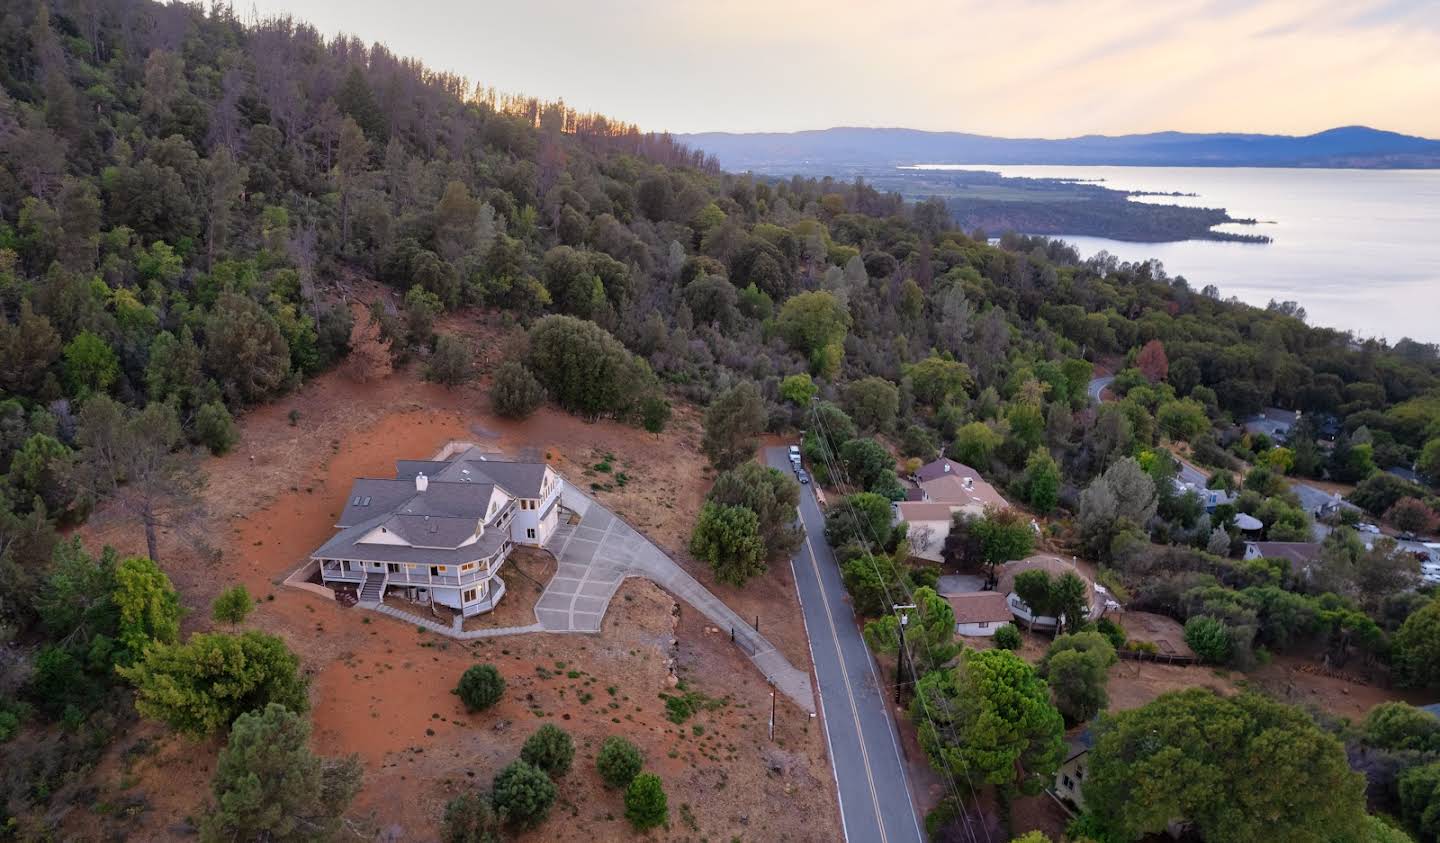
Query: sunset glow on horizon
{"points": [[1033, 68]]}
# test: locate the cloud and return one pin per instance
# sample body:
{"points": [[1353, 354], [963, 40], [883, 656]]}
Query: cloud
{"points": [[1027, 67]]}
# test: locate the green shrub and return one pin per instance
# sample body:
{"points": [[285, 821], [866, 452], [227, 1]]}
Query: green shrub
{"points": [[1209, 639], [469, 818], [551, 749], [232, 606], [1007, 637], [517, 392], [645, 803], [215, 428], [619, 761], [1113, 631], [480, 687], [523, 794]]}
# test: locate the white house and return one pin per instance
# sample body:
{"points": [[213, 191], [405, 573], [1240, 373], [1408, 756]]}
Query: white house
{"points": [[979, 613], [441, 530]]}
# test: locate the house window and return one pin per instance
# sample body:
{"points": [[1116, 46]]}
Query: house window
{"points": [[345, 564], [470, 596], [984, 624], [1069, 785], [392, 567], [530, 533]]}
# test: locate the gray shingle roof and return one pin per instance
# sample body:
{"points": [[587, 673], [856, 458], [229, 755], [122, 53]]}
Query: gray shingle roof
{"points": [[346, 545], [437, 522], [370, 497], [521, 479]]}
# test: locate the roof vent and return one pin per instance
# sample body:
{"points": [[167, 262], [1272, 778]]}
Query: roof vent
{"points": [[421, 482], [969, 483], [947, 468]]}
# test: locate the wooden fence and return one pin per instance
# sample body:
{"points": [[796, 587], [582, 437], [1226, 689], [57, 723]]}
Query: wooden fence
{"points": [[1163, 658]]}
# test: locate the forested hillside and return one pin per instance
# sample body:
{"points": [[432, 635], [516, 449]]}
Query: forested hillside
{"points": [[186, 204], [184, 199]]}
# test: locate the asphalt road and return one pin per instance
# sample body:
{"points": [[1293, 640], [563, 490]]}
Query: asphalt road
{"points": [[875, 804], [1097, 386]]}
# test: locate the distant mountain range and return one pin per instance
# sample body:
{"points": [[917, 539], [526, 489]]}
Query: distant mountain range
{"points": [[825, 149]]}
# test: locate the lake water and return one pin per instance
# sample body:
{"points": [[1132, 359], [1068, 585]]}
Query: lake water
{"points": [[1358, 249]]}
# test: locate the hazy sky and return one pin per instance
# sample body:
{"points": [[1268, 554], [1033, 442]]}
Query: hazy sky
{"points": [[1018, 68]]}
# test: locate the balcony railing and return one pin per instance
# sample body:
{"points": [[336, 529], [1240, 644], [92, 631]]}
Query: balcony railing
{"points": [[420, 575]]}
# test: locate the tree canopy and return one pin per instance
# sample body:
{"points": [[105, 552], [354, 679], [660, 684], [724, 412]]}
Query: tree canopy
{"points": [[1241, 768]]}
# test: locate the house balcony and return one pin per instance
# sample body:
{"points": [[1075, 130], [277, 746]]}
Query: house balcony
{"points": [[416, 573]]}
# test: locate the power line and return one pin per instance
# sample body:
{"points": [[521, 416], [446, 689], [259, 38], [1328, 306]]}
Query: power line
{"points": [[836, 472]]}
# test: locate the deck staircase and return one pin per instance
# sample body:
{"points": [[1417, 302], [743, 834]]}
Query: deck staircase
{"points": [[373, 589]]}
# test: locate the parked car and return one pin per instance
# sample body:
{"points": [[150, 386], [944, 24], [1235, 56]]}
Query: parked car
{"points": [[802, 476], [1368, 528], [795, 454]]}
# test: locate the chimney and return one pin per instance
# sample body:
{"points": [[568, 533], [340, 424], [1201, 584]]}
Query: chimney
{"points": [[421, 482], [969, 483]]}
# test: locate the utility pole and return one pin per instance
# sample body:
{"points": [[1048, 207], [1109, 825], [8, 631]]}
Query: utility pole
{"points": [[902, 657]]}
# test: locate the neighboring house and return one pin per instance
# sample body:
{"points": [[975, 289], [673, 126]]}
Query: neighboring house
{"points": [[1406, 474], [441, 530], [1330, 507], [1069, 785], [979, 613], [929, 525], [1300, 555], [943, 488], [1274, 423], [1070, 778], [1211, 498], [1056, 567], [1247, 523]]}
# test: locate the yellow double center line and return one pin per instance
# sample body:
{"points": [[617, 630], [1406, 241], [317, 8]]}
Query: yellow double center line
{"points": [[849, 694]]}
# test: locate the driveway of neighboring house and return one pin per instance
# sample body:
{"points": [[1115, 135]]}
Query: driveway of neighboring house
{"points": [[1097, 387], [960, 584], [600, 551]]}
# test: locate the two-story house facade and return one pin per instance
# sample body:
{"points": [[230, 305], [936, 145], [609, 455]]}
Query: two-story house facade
{"points": [[441, 530]]}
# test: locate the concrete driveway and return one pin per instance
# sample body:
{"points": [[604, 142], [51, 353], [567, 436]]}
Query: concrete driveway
{"points": [[597, 554], [960, 584], [591, 566]]}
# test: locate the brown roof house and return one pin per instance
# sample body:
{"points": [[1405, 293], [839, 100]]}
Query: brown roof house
{"points": [[1056, 567], [979, 613], [1300, 555], [945, 488]]}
